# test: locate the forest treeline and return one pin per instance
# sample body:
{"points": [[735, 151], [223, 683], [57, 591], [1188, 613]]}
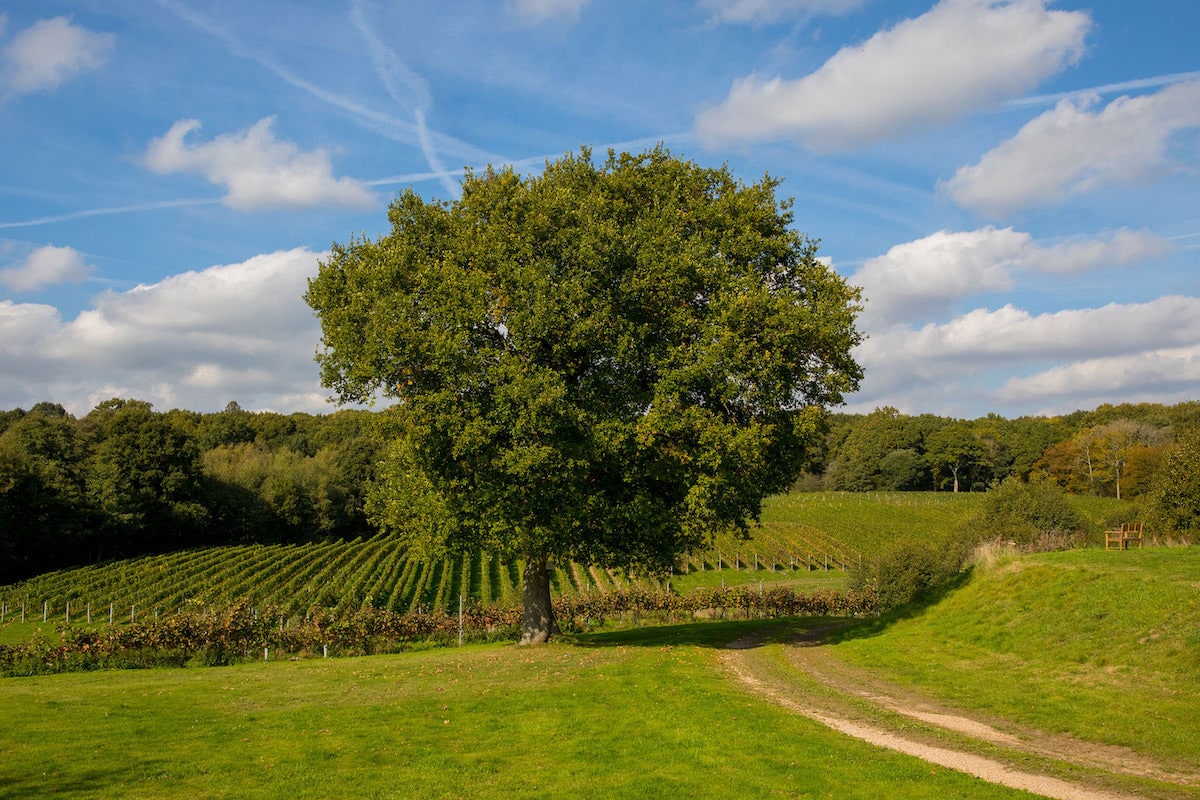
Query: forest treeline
{"points": [[127, 480]]}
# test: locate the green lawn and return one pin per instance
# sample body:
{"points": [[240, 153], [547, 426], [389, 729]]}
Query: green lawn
{"points": [[619, 714], [1104, 645]]}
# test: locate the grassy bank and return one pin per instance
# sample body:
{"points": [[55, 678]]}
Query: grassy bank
{"points": [[1101, 645]]}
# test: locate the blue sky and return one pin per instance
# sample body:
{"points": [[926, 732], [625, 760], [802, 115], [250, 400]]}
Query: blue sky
{"points": [[1013, 183]]}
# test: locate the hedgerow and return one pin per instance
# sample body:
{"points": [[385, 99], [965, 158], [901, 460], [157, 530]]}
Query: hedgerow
{"points": [[208, 636]]}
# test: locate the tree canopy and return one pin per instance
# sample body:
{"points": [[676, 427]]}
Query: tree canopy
{"points": [[608, 363]]}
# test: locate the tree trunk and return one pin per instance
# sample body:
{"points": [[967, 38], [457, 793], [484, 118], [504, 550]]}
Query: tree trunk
{"points": [[537, 617]]}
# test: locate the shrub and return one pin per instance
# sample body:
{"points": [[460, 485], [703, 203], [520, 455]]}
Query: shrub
{"points": [[1174, 496], [907, 569], [1035, 516]]}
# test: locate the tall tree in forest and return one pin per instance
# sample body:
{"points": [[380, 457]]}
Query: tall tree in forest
{"points": [[954, 450], [602, 363], [144, 475]]}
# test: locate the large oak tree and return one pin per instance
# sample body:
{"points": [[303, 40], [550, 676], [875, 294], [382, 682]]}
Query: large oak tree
{"points": [[607, 363]]}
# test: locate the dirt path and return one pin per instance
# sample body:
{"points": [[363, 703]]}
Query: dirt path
{"points": [[815, 662]]}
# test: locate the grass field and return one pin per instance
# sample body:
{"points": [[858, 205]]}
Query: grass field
{"points": [[624, 714], [1104, 646]]}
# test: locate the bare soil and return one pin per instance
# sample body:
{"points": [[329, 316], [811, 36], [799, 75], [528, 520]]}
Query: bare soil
{"points": [[848, 690]]}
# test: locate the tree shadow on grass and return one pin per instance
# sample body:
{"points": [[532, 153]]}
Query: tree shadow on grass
{"points": [[95, 782], [718, 634], [875, 626], [749, 633]]}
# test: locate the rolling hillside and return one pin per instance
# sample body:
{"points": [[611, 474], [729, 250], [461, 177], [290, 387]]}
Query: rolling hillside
{"points": [[808, 539]]}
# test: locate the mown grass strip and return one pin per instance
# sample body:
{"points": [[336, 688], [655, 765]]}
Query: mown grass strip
{"points": [[633, 714]]}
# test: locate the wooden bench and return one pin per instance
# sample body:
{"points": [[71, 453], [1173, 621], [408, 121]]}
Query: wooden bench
{"points": [[1129, 532]]}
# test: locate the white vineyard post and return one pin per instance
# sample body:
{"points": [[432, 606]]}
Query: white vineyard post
{"points": [[68, 617], [325, 651], [460, 619], [110, 613], [45, 609], [89, 613], [132, 614], [266, 654]]}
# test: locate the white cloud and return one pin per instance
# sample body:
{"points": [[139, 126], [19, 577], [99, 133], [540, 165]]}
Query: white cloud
{"points": [[922, 277], [960, 56], [1011, 333], [767, 11], [541, 10], [1122, 248], [51, 51], [1072, 149], [1160, 375], [258, 170], [46, 266], [1116, 353], [194, 340]]}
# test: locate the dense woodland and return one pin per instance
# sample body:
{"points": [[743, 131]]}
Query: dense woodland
{"points": [[127, 480]]}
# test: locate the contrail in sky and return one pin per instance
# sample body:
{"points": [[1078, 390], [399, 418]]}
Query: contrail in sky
{"points": [[99, 212], [1108, 88], [391, 69]]}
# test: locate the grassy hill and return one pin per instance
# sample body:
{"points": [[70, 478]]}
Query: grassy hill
{"points": [[1102, 645]]}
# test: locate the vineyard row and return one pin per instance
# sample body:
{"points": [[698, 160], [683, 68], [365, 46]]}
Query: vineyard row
{"points": [[376, 573]]}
